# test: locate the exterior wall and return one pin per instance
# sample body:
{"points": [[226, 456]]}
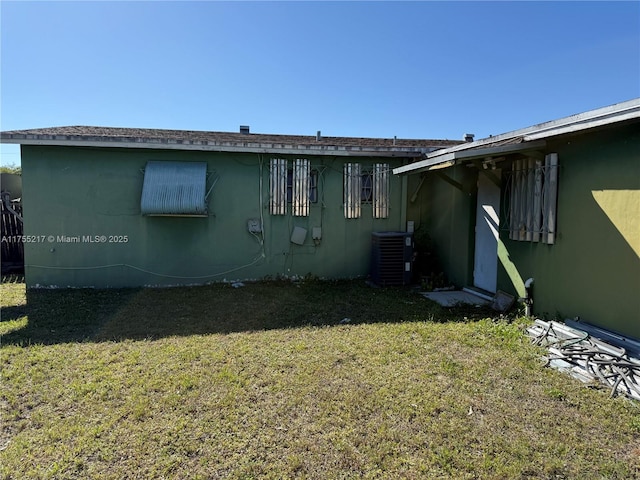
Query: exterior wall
{"points": [[75, 192], [593, 269], [446, 214]]}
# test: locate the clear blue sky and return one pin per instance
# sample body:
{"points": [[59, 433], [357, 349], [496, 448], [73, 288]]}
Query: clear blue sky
{"points": [[414, 69]]}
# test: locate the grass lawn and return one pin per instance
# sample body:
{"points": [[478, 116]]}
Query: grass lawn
{"points": [[264, 382]]}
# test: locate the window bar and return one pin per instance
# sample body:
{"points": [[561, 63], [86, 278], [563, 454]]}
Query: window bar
{"points": [[537, 201], [381, 190], [550, 198], [530, 198], [300, 201], [522, 218], [313, 186], [278, 186], [513, 201], [352, 190], [515, 207]]}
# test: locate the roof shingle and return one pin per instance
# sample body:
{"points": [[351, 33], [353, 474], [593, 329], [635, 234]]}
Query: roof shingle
{"points": [[191, 138]]}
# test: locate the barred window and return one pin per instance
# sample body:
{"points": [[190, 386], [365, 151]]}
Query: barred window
{"points": [[278, 186], [532, 190], [366, 187], [366, 192], [301, 187], [313, 186], [380, 182], [352, 190], [297, 185]]}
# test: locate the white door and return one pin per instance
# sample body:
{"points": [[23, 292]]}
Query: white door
{"points": [[485, 268]]}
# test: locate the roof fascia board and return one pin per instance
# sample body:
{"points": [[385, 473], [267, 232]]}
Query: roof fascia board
{"points": [[424, 165], [452, 158], [583, 126], [417, 168], [612, 112], [257, 148]]}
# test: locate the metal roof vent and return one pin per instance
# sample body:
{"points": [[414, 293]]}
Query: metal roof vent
{"points": [[468, 137], [318, 136], [244, 128]]}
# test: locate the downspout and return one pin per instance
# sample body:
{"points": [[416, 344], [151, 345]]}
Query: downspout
{"points": [[7, 204]]}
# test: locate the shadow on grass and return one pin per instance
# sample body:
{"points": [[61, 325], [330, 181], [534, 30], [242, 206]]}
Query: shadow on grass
{"points": [[80, 315], [13, 312]]}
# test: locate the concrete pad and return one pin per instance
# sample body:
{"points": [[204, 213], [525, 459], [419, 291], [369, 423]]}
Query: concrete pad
{"points": [[454, 297]]}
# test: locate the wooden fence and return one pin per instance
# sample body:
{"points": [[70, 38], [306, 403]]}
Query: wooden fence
{"points": [[12, 240]]}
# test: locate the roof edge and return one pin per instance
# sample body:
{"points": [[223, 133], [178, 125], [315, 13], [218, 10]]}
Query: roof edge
{"points": [[451, 158], [611, 113], [527, 138], [251, 147]]}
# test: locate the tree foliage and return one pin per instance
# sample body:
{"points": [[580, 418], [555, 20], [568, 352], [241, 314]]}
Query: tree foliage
{"points": [[11, 168]]}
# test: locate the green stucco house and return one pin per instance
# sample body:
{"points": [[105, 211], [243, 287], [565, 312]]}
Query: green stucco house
{"points": [[549, 212], [118, 207], [556, 204]]}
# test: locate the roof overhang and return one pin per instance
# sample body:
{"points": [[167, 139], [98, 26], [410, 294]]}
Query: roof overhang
{"points": [[525, 139], [213, 146], [451, 158]]}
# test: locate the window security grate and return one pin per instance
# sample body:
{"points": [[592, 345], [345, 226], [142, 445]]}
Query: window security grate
{"points": [[278, 186], [532, 190]]}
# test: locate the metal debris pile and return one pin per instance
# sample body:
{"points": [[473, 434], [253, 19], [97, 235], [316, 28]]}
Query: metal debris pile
{"points": [[587, 358]]}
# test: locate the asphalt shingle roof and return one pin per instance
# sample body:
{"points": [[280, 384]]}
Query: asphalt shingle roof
{"points": [[191, 138]]}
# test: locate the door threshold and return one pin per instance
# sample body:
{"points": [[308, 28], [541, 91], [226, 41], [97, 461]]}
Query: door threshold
{"points": [[451, 298], [478, 292]]}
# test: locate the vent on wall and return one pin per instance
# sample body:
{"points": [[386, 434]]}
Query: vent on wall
{"points": [[391, 256]]}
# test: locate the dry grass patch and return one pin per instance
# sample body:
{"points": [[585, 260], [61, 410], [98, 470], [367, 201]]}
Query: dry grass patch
{"points": [[261, 382]]}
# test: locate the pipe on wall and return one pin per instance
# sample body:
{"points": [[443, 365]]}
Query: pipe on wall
{"points": [[528, 297]]}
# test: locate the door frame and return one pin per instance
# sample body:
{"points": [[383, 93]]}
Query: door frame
{"points": [[487, 231]]}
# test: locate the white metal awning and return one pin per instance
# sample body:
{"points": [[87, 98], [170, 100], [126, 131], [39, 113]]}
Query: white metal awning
{"points": [[174, 189]]}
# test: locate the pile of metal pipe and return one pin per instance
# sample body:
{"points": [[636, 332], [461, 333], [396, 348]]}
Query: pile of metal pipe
{"points": [[587, 358]]}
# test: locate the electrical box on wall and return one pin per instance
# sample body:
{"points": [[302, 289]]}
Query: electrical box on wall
{"points": [[316, 233], [253, 225], [299, 235], [410, 226]]}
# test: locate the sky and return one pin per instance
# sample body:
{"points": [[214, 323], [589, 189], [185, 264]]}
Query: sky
{"points": [[430, 70]]}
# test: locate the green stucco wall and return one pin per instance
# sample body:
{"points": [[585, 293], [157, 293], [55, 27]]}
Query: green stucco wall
{"points": [[446, 214], [593, 269], [77, 192]]}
